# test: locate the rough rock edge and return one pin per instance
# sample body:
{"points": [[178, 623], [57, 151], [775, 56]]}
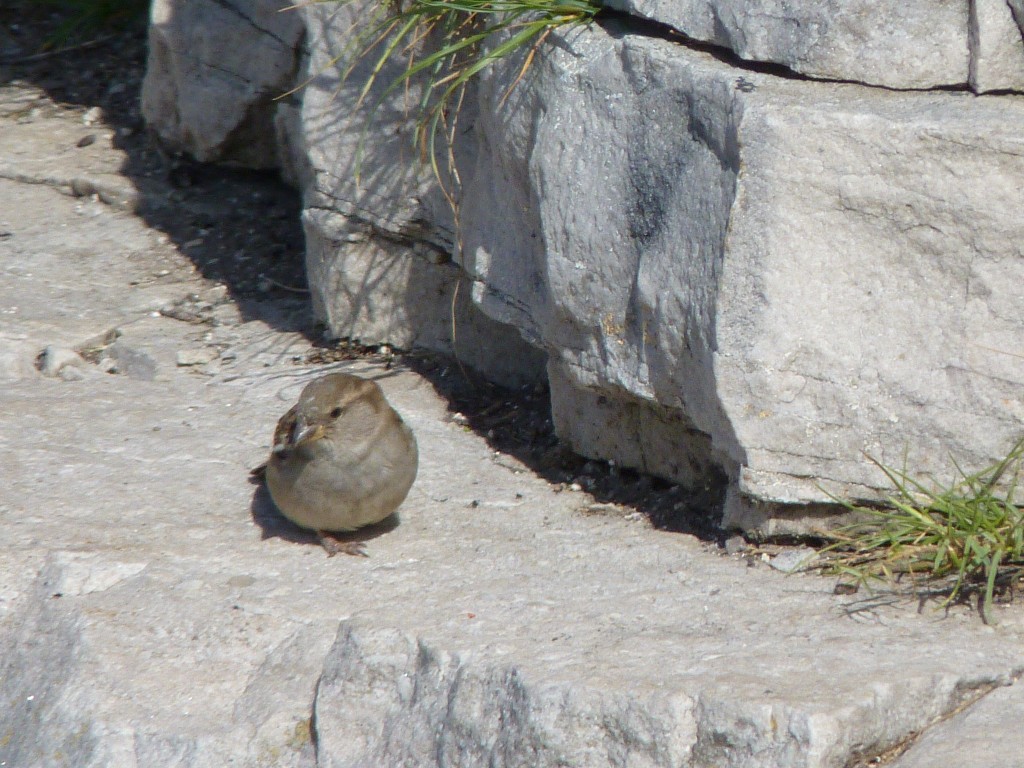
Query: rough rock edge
{"points": [[387, 697]]}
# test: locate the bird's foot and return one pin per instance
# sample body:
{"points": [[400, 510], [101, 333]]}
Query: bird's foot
{"points": [[333, 545]]}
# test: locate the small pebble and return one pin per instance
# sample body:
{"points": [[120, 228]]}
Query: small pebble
{"points": [[735, 544], [189, 357], [793, 560], [53, 359], [215, 294], [71, 373], [92, 116]]}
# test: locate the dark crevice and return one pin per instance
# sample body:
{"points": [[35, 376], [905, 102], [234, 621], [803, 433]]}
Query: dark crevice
{"points": [[314, 725], [968, 697], [619, 24], [232, 9], [1002, 92]]}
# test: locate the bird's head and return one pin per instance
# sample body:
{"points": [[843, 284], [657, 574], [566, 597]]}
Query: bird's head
{"points": [[333, 404]]}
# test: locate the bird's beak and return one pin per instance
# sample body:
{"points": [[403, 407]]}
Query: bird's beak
{"points": [[301, 434]]}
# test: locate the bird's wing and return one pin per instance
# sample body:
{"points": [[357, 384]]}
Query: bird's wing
{"points": [[285, 427]]}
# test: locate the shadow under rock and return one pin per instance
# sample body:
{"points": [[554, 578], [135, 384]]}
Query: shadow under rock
{"points": [[517, 422], [240, 228]]}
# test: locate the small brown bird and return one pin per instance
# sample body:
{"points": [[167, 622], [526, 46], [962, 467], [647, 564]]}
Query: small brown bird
{"points": [[342, 459]]}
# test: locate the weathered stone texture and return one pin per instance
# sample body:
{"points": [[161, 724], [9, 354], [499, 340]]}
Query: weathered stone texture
{"points": [[369, 286], [379, 227], [389, 698], [997, 46], [214, 71], [978, 730], [365, 162], [805, 271], [895, 43]]}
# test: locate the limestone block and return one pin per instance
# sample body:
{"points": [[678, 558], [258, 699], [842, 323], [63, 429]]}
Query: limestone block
{"points": [[805, 272], [972, 731], [379, 227], [997, 47], [633, 432], [214, 71], [378, 289], [917, 44], [387, 697], [895, 43], [360, 154], [1017, 9]]}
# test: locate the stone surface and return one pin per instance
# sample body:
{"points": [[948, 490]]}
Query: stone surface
{"points": [[773, 262], [52, 360], [895, 44], [42, 149], [997, 46], [1017, 9], [975, 734], [363, 160], [387, 698], [379, 229], [215, 69], [373, 289], [156, 610]]}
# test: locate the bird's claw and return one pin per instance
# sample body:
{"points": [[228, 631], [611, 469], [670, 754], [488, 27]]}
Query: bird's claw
{"points": [[333, 546]]}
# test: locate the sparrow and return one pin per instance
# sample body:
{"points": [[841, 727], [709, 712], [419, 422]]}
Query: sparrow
{"points": [[342, 459]]}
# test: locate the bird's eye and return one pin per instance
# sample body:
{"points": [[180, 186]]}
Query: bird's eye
{"points": [[336, 413]]}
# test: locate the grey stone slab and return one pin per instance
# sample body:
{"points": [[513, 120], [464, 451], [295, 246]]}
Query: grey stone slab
{"points": [[975, 737], [896, 44], [906, 45], [377, 290], [41, 147], [365, 159], [776, 263], [379, 228], [997, 60]]}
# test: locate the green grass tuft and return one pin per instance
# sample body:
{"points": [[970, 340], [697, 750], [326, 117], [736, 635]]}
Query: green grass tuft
{"points": [[965, 537], [472, 35]]}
